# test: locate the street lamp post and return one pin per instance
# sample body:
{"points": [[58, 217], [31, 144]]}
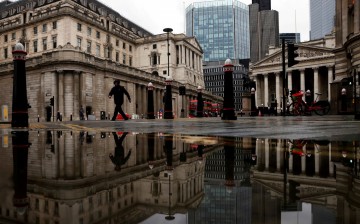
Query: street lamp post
{"points": [[168, 30], [168, 113]]}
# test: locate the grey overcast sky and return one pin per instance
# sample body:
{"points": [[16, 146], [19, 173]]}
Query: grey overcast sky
{"points": [[155, 15]]}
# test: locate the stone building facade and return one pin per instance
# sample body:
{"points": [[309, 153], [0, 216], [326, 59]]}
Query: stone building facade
{"points": [[347, 50], [328, 65], [314, 72], [76, 48]]}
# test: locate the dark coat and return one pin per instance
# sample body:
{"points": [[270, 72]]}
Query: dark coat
{"points": [[118, 92]]}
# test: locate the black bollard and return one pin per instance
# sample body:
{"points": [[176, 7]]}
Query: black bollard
{"points": [[150, 106], [200, 103], [343, 100], [168, 113], [228, 110], [20, 106], [20, 142], [253, 104]]}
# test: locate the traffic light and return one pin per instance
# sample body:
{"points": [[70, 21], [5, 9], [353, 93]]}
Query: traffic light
{"points": [[52, 101], [292, 54]]}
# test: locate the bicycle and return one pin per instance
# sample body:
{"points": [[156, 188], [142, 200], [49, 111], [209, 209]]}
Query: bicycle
{"points": [[300, 107]]}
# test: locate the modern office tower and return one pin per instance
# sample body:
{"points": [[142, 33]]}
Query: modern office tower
{"points": [[290, 37], [264, 31], [263, 4], [214, 76], [221, 28], [322, 18]]}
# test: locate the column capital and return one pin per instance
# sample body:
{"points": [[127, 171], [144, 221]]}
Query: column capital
{"points": [[315, 68], [60, 71]]}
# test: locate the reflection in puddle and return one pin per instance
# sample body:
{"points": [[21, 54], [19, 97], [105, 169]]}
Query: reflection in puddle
{"points": [[119, 177]]}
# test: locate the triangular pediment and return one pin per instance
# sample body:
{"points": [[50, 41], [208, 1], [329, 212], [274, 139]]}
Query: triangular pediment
{"points": [[305, 52], [193, 41]]}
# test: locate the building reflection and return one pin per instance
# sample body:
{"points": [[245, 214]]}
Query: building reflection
{"points": [[70, 178]]}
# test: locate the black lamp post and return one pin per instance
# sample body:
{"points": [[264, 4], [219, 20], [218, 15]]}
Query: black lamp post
{"points": [[168, 30], [168, 114]]}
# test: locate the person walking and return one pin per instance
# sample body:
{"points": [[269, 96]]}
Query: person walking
{"points": [[81, 113], [119, 158], [118, 92]]}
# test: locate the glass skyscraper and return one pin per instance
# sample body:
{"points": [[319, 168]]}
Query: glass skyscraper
{"points": [[221, 28], [322, 18]]}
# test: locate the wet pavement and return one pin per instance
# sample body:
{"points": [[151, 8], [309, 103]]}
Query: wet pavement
{"points": [[203, 170]]}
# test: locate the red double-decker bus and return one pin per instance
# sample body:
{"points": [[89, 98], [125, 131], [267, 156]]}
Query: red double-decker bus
{"points": [[207, 110], [216, 109]]}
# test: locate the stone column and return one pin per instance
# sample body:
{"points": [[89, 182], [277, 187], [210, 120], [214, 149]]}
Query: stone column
{"points": [[59, 106], [68, 95], [316, 81], [278, 88], [76, 88], [266, 90], [302, 81], [144, 100], [289, 79], [256, 92], [330, 80]]}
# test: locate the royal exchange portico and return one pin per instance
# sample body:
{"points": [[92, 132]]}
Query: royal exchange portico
{"points": [[314, 72]]}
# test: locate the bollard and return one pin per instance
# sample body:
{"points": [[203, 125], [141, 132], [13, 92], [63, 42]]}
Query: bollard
{"points": [[253, 105], [150, 100], [168, 113], [20, 105], [229, 107], [343, 100], [70, 117], [200, 103]]}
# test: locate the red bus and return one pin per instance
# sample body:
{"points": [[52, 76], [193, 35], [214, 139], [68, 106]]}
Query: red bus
{"points": [[207, 110], [216, 109]]}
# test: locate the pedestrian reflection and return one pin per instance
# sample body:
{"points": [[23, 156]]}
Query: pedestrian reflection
{"points": [[21, 145], [119, 159]]}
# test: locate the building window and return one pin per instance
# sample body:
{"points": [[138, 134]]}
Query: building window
{"points": [[89, 31], [54, 25], [124, 59], [97, 34], [98, 50], [5, 38], [44, 42], [35, 30], [117, 56], [88, 48], [154, 46], [79, 42], [13, 36], [35, 43], [79, 27], [44, 28], [108, 38], [117, 43], [124, 45], [130, 61], [130, 48], [54, 40], [5, 53]]}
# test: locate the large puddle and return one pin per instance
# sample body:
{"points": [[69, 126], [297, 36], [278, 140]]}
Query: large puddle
{"points": [[119, 177]]}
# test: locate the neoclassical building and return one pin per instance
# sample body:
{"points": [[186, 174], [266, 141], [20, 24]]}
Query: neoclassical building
{"points": [[327, 65], [75, 50], [314, 72]]}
